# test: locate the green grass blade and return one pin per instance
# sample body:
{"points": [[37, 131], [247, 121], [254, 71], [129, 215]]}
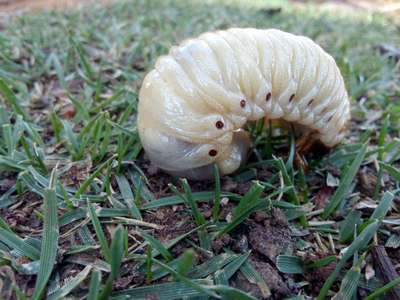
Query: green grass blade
{"points": [[49, 248], [157, 245], [105, 250], [254, 277], [290, 264], [90, 179], [117, 255], [127, 194], [94, 287], [70, 285], [87, 67], [15, 242], [212, 265], [359, 242], [349, 225], [231, 293], [384, 206], [383, 290], [249, 203], [292, 193], [345, 183], [230, 269], [393, 171], [203, 289], [163, 291], [12, 99], [217, 196], [381, 144], [348, 287], [199, 218], [204, 238], [186, 262]]}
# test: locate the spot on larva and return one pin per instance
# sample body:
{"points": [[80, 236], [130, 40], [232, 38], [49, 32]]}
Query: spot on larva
{"points": [[213, 152], [268, 97], [330, 118], [219, 124], [311, 101], [291, 98], [242, 103]]}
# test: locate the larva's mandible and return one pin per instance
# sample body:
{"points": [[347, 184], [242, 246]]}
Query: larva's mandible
{"points": [[195, 101]]}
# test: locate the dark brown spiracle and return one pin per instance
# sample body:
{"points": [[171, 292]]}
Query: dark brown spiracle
{"points": [[213, 152], [219, 124]]}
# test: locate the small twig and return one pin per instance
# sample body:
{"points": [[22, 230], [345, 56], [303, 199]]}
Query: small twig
{"points": [[139, 223], [383, 263]]}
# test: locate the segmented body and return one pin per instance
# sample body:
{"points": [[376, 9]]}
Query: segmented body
{"points": [[193, 104]]}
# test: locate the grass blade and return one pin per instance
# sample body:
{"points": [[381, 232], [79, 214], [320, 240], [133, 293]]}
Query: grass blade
{"points": [[94, 285], [384, 206], [12, 99], [127, 194], [248, 204], [394, 172], [254, 277], [105, 250], [230, 269], [349, 225], [381, 144], [15, 242], [217, 196], [186, 262], [348, 287], [157, 245], [345, 183], [292, 193], [117, 255], [359, 242], [231, 293], [290, 264], [203, 289], [70, 285], [383, 290], [163, 291], [205, 242], [49, 248]]}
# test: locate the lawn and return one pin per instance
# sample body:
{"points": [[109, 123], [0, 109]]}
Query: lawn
{"points": [[84, 214]]}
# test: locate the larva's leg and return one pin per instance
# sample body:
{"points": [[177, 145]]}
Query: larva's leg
{"points": [[304, 144]]}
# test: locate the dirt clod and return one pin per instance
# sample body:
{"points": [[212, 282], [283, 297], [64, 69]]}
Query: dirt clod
{"points": [[271, 239]]}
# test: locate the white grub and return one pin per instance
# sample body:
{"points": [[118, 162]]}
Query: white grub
{"points": [[195, 102]]}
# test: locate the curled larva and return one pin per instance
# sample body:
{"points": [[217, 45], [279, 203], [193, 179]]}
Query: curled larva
{"points": [[195, 102]]}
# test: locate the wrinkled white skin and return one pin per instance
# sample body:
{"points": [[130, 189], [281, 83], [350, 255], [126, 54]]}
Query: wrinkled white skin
{"points": [[202, 83]]}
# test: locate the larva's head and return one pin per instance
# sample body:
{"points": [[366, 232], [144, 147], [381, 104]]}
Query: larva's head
{"points": [[190, 159], [182, 142]]}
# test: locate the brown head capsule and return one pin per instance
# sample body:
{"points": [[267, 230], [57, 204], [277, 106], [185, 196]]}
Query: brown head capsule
{"points": [[242, 103], [268, 97], [291, 98]]}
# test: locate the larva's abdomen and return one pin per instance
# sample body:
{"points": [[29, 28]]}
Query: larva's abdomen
{"points": [[194, 104]]}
